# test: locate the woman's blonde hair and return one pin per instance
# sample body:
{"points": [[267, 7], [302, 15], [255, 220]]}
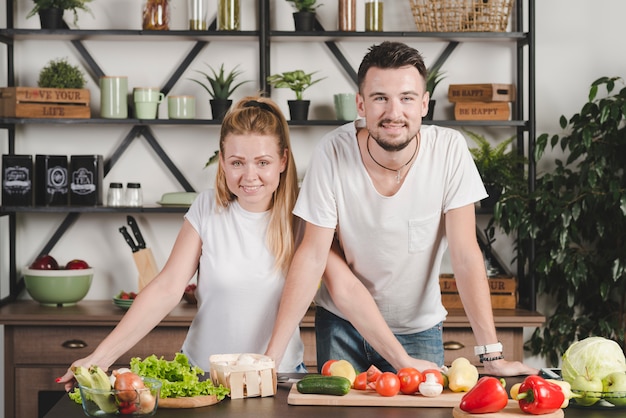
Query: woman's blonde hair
{"points": [[260, 115]]}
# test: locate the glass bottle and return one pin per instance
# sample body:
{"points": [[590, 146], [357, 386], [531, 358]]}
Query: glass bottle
{"points": [[347, 15], [374, 15], [133, 194], [156, 15], [228, 15], [197, 11], [115, 196]]}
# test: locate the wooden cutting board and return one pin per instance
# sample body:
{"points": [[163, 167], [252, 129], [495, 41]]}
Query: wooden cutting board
{"points": [[182, 403], [371, 398], [510, 411]]}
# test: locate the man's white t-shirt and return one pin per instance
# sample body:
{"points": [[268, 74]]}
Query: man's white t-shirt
{"points": [[239, 289], [393, 244]]}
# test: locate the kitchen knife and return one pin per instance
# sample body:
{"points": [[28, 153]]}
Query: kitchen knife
{"points": [[136, 232], [129, 239]]}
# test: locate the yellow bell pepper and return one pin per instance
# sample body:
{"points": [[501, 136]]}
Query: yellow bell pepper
{"points": [[462, 375]]}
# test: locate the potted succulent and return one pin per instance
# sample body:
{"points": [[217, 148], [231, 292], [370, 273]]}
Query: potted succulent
{"points": [[433, 78], [60, 74], [51, 11], [499, 168], [297, 81], [576, 218], [304, 17], [220, 86]]}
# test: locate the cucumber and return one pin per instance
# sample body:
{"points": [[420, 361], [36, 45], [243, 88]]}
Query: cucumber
{"points": [[324, 385]]}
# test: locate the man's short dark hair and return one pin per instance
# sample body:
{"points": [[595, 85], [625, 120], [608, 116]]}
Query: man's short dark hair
{"points": [[390, 55]]}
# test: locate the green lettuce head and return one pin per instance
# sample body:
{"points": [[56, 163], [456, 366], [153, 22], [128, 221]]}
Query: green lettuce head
{"points": [[593, 357]]}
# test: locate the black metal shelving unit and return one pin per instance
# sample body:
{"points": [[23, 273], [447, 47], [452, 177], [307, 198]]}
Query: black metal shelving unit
{"points": [[522, 121]]}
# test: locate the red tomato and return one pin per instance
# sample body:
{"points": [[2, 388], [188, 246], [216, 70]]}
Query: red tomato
{"points": [[373, 373], [326, 367], [388, 384], [410, 379], [360, 383], [437, 374]]}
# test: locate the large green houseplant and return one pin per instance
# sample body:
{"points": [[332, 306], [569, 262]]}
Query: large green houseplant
{"points": [[577, 217]]}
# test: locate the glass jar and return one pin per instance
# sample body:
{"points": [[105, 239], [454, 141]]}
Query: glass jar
{"points": [[134, 196], [197, 11], [228, 15], [374, 15], [115, 196], [156, 15], [347, 15]]}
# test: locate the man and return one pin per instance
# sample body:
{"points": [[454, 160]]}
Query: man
{"points": [[387, 196]]}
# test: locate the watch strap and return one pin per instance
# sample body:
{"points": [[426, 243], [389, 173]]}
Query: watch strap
{"points": [[489, 348]]}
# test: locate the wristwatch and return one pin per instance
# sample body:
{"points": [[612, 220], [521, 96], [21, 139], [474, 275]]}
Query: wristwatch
{"points": [[479, 350]]}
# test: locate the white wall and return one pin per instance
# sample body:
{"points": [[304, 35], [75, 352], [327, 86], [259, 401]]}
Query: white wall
{"points": [[577, 42]]}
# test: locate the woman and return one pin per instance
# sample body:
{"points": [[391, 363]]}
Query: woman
{"points": [[239, 238]]}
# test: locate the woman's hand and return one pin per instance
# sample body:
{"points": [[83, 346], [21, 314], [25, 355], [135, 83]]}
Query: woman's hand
{"points": [[68, 378]]}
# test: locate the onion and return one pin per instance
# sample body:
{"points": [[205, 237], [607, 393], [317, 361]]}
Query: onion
{"points": [[126, 385]]}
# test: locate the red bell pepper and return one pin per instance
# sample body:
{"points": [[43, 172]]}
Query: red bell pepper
{"points": [[487, 396], [537, 396]]}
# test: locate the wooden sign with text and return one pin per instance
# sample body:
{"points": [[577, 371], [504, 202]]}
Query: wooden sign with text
{"points": [[503, 292], [482, 111], [481, 93], [36, 102]]}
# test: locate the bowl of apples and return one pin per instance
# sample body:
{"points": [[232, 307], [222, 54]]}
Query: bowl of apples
{"points": [[53, 285]]}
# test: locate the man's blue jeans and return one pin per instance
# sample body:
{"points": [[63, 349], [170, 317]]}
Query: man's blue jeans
{"points": [[337, 339]]}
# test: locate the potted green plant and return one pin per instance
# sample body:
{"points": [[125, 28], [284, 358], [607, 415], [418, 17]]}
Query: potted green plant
{"points": [[433, 78], [220, 86], [297, 81], [60, 74], [576, 218], [304, 17], [51, 11], [499, 166]]}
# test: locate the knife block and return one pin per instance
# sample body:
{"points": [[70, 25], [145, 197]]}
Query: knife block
{"points": [[146, 266]]}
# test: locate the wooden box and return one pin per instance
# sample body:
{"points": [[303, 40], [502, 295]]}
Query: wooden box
{"points": [[481, 93], [503, 292], [36, 102], [246, 375], [482, 111]]}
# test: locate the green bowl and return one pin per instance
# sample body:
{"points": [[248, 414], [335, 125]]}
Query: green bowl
{"points": [[57, 287]]}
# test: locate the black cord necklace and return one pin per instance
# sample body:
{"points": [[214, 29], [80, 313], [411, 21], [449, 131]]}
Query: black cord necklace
{"points": [[397, 170]]}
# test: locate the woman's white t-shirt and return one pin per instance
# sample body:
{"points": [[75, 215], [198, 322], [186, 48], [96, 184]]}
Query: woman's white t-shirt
{"points": [[393, 244], [239, 289]]}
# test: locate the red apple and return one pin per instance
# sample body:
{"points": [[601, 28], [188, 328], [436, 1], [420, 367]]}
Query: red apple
{"points": [[76, 265], [45, 262]]}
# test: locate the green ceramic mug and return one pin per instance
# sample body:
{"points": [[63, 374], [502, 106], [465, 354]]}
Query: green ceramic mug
{"points": [[147, 101], [181, 107], [345, 106], [114, 97]]}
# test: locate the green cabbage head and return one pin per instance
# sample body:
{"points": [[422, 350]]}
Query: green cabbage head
{"points": [[594, 357]]}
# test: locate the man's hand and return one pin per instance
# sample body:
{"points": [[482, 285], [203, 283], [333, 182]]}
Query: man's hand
{"points": [[505, 368]]}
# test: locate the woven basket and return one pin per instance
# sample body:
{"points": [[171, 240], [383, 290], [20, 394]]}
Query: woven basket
{"points": [[461, 15], [245, 380]]}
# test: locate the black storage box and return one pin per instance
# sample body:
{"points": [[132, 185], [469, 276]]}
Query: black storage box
{"points": [[17, 180], [86, 175], [51, 180]]}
